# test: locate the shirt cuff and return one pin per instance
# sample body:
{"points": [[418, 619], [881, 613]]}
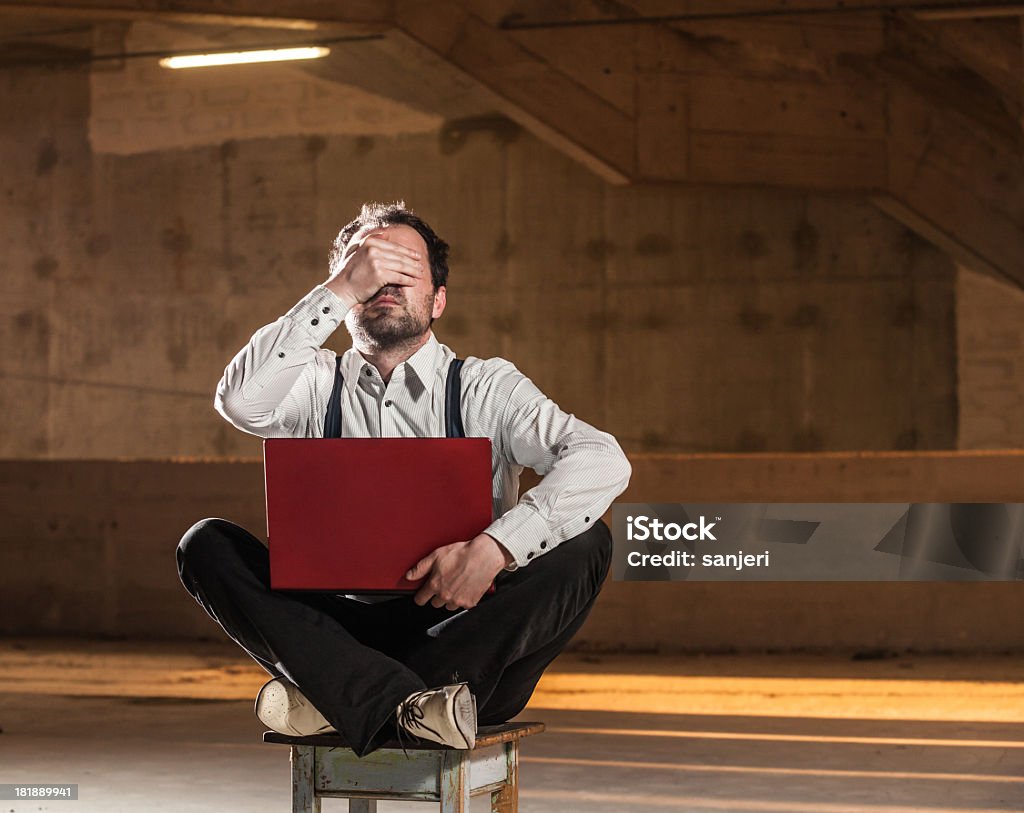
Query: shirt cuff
{"points": [[319, 312], [522, 531]]}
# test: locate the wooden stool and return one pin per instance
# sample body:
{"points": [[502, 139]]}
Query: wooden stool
{"points": [[324, 766]]}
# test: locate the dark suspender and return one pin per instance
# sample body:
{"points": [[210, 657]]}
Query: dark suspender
{"points": [[452, 402], [332, 423]]}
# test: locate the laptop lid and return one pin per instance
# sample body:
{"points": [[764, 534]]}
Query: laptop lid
{"points": [[354, 514]]}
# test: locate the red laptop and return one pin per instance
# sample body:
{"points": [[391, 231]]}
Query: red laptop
{"points": [[353, 515]]}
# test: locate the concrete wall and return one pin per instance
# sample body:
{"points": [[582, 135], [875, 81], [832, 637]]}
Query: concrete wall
{"points": [[990, 362], [88, 548], [680, 320]]}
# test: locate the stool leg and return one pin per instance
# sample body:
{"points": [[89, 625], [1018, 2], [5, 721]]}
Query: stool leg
{"points": [[304, 798], [362, 806], [506, 800], [455, 782]]}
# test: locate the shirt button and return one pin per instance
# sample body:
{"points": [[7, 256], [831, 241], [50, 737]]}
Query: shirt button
{"points": [[586, 519], [387, 403], [315, 322], [369, 371], [280, 355], [529, 555], [327, 309], [543, 544]]}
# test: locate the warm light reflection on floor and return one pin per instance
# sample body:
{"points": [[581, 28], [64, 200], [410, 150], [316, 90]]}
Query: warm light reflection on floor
{"points": [[699, 803], [729, 735], [750, 734], [964, 689], [845, 694], [696, 767]]}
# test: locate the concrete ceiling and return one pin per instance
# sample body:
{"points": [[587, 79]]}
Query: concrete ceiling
{"points": [[915, 105]]}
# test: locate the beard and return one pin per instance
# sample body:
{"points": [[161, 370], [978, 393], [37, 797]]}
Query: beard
{"points": [[390, 328]]}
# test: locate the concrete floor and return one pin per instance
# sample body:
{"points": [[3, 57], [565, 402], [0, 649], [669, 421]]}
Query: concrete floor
{"points": [[168, 727]]}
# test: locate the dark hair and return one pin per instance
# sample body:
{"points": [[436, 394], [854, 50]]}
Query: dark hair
{"points": [[379, 215]]}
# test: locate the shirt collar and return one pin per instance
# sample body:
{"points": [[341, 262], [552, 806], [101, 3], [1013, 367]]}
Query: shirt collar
{"points": [[425, 360], [423, 363]]}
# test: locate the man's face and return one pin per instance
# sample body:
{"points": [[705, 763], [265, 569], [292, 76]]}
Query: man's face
{"points": [[396, 314]]}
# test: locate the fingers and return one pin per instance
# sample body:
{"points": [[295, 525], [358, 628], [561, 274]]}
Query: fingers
{"points": [[384, 254], [378, 262], [430, 592], [421, 568], [418, 571], [450, 604], [399, 264], [402, 268], [395, 278], [450, 599], [395, 248], [396, 269], [448, 583]]}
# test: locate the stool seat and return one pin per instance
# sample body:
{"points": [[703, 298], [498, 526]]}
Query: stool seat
{"points": [[325, 766], [485, 735]]}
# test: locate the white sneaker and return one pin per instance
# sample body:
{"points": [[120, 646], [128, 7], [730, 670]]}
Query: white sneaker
{"points": [[281, 707], [446, 715]]}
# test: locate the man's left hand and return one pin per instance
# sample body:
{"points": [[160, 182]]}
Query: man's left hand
{"points": [[457, 575]]}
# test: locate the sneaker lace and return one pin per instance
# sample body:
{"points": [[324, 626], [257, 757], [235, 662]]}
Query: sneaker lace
{"points": [[411, 713]]}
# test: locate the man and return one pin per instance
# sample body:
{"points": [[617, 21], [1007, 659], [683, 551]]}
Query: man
{"points": [[437, 663]]}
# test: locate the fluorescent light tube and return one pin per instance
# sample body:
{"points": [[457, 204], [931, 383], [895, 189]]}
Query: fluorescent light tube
{"points": [[244, 57]]}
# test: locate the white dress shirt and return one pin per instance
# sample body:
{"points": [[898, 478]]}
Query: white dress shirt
{"points": [[279, 385]]}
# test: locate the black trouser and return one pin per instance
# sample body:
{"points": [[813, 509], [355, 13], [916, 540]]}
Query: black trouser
{"points": [[356, 662]]}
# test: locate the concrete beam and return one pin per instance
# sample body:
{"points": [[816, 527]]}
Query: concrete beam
{"points": [[982, 11], [837, 102], [956, 157], [942, 239], [365, 15], [556, 108], [797, 94], [992, 49], [538, 14]]}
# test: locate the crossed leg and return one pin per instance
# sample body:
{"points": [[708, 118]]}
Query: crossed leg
{"points": [[356, 662]]}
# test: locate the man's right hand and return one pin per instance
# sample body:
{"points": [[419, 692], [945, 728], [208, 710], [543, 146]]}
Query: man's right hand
{"points": [[373, 264]]}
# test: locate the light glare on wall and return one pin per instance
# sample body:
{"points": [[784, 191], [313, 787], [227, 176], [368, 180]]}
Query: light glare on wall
{"points": [[244, 57]]}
